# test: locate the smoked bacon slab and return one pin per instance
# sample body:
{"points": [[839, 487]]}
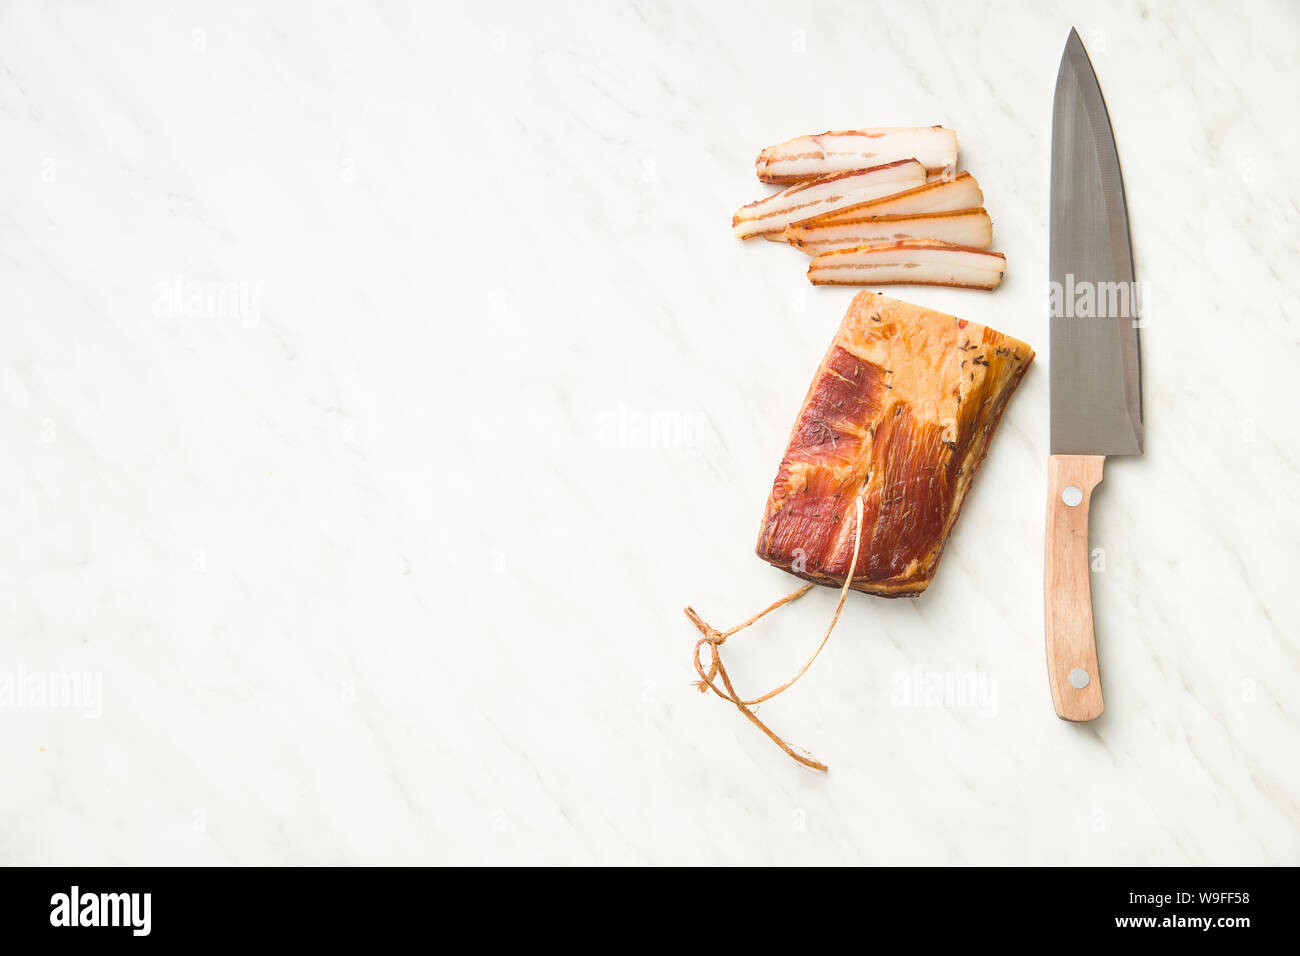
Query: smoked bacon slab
{"points": [[901, 412]]}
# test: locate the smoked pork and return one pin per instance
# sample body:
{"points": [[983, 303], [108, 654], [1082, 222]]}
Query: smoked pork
{"points": [[901, 412], [808, 157]]}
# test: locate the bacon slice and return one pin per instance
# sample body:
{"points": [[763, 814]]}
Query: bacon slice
{"points": [[807, 157], [900, 412], [961, 192], [823, 195], [965, 227], [909, 262]]}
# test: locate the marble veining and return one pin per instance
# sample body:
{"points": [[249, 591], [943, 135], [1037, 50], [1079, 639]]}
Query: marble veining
{"points": [[379, 380]]}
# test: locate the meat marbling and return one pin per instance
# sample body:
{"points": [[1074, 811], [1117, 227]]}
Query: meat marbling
{"points": [[901, 411]]}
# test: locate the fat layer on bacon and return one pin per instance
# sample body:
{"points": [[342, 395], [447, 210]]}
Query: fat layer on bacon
{"points": [[900, 412], [806, 157], [826, 194], [965, 227], [909, 262], [949, 195]]}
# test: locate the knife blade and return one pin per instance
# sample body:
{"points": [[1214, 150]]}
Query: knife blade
{"points": [[1096, 393]]}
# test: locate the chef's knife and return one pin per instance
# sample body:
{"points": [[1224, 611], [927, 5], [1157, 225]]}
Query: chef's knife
{"points": [[1095, 367]]}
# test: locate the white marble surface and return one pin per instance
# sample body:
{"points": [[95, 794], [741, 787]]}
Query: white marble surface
{"points": [[376, 552]]}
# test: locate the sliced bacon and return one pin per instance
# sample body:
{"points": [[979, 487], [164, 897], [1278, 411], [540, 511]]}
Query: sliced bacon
{"points": [[964, 227], [807, 157], [824, 195], [909, 262], [961, 192]]}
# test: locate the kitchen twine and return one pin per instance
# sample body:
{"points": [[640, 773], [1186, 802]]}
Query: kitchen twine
{"points": [[714, 639]]}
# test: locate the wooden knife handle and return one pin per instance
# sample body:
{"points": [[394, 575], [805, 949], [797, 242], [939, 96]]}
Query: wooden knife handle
{"points": [[1071, 645]]}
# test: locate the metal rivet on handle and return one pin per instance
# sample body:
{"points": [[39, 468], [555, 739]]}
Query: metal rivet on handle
{"points": [[1072, 496], [1079, 678]]}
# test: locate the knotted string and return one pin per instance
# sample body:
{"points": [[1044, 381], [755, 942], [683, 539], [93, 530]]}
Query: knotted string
{"points": [[714, 639]]}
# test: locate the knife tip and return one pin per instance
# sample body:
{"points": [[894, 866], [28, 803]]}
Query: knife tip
{"points": [[1074, 50]]}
